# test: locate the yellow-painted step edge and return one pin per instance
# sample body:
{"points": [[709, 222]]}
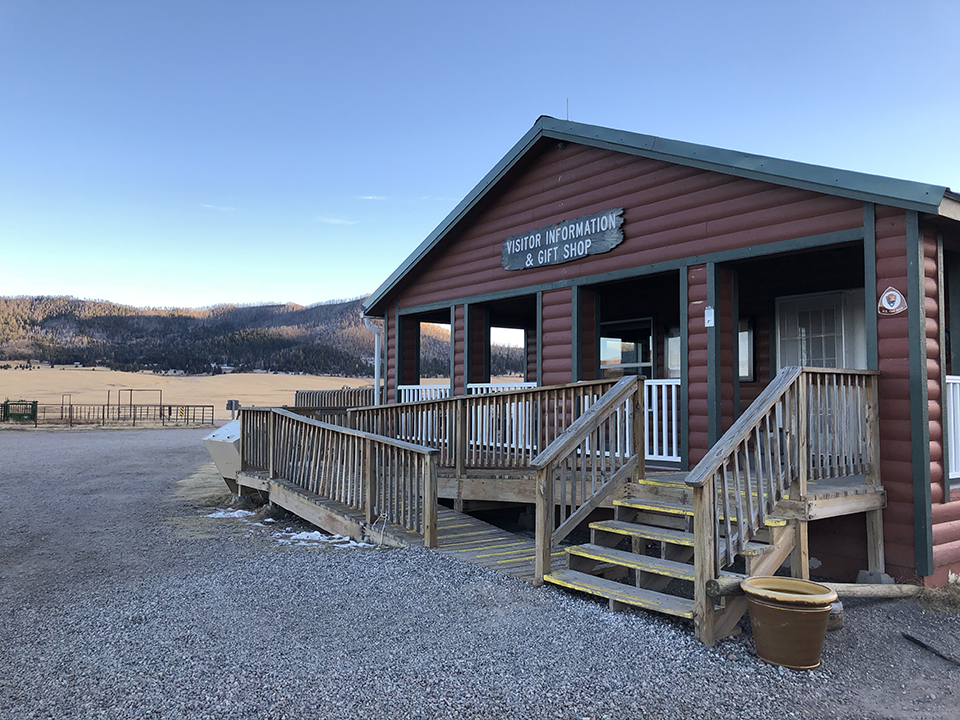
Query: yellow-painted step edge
{"points": [[620, 597]]}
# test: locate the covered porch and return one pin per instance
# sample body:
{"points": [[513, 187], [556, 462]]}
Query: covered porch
{"points": [[806, 449]]}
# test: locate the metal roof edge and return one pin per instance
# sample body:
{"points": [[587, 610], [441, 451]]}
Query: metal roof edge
{"points": [[883, 190], [462, 208]]}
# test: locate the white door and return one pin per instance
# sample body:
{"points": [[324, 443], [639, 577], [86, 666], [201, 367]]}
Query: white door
{"points": [[822, 330]]}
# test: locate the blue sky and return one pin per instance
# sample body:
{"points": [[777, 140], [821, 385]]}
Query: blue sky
{"points": [[182, 154]]}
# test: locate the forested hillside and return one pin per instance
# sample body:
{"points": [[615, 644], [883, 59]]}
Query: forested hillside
{"points": [[328, 338]]}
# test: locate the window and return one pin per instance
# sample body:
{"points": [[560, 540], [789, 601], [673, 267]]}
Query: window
{"points": [[672, 352], [745, 353], [626, 348]]}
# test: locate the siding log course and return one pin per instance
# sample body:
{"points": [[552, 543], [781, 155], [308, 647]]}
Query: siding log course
{"points": [[670, 212], [557, 314], [459, 383]]}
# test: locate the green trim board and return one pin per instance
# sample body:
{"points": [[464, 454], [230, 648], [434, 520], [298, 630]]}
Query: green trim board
{"points": [[467, 347], [398, 362], [859, 186], [684, 372], [808, 242], [576, 349], [486, 345], [597, 367], [453, 349], [539, 338], [919, 411], [870, 283], [714, 421], [736, 342], [942, 339]]}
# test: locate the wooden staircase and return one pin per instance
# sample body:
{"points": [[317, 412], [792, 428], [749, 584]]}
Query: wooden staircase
{"points": [[644, 557]]}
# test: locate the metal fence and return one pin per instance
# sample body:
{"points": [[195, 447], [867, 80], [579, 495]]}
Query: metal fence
{"points": [[132, 415]]}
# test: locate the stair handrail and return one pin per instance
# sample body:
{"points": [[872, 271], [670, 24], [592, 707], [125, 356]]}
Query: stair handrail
{"points": [[609, 452], [743, 426], [808, 423]]}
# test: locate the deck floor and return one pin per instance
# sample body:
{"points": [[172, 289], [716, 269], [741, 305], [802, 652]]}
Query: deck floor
{"points": [[474, 541]]}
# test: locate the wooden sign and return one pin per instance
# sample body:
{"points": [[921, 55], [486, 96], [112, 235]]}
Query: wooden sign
{"points": [[564, 242]]}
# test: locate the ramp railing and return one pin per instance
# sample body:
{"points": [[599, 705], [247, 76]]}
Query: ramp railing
{"points": [[381, 476]]}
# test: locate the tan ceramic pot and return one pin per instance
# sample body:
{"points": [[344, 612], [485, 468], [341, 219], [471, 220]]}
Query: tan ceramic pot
{"points": [[789, 619]]}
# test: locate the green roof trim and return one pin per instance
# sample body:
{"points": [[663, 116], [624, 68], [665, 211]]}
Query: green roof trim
{"points": [[921, 197]]}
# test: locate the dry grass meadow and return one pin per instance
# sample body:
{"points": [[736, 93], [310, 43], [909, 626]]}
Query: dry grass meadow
{"points": [[92, 385]]}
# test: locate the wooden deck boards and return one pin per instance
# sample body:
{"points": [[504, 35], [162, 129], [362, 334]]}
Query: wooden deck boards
{"points": [[474, 541]]}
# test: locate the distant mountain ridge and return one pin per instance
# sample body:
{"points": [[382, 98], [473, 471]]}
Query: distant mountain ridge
{"points": [[325, 339]]}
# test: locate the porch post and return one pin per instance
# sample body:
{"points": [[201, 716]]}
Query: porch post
{"points": [[919, 409], [684, 377], [539, 377], [721, 335], [870, 283]]}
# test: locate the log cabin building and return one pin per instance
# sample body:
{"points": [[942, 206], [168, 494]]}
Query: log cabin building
{"points": [[708, 271]]}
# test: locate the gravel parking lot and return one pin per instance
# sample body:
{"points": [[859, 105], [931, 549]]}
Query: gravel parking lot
{"points": [[122, 599]]}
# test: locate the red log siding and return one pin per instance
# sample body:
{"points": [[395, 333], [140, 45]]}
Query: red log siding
{"points": [[458, 350], [670, 212], [932, 316], [763, 339], [727, 336], [945, 516], [390, 322], [479, 336], [530, 339], [893, 345], [588, 335], [410, 347], [698, 433], [557, 333]]}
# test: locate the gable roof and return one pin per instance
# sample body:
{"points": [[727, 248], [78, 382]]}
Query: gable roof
{"points": [[931, 199]]}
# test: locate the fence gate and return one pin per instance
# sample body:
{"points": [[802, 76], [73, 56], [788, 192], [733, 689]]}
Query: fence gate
{"points": [[20, 411]]}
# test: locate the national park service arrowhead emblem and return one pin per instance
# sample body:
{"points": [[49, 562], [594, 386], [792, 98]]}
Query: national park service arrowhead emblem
{"points": [[891, 302]]}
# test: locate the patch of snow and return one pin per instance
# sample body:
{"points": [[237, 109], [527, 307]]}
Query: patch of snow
{"points": [[229, 514], [314, 538]]}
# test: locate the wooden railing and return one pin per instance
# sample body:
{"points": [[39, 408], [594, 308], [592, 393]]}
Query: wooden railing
{"points": [[807, 424], [496, 430], [586, 463], [418, 393], [383, 477], [487, 388], [662, 431], [343, 398]]}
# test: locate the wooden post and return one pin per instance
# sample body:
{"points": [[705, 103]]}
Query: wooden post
{"points": [[243, 459], [460, 450], [875, 551], [430, 503], [704, 560], [544, 523], [800, 556], [271, 429], [639, 431], [369, 480]]}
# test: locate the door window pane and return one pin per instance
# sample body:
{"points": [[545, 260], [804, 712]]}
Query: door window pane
{"points": [[810, 331]]}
